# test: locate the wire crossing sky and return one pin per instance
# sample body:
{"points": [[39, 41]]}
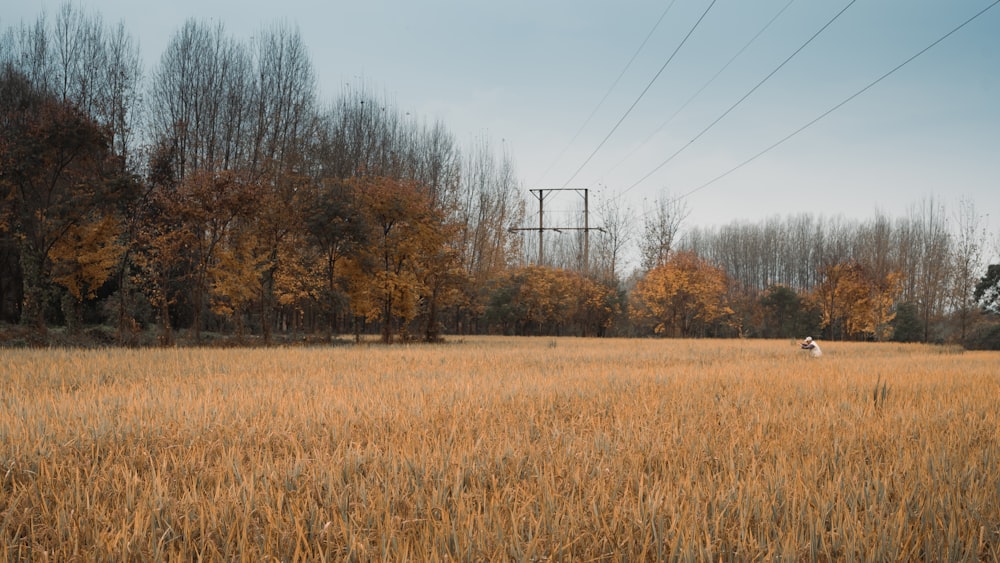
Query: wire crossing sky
{"points": [[611, 89], [708, 83], [641, 94], [745, 96], [834, 108], [524, 75]]}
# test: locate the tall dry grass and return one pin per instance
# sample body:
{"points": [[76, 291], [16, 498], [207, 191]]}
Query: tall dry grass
{"points": [[501, 449]]}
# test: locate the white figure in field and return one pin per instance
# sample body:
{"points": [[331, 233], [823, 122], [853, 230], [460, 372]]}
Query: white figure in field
{"points": [[810, 344]]}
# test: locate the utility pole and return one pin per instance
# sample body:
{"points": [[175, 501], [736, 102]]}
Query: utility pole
{"points": [[541, 223], [540, 194], [586, 231]]}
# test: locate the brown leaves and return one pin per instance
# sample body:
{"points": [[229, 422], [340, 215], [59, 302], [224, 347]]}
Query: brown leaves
{"points": [[85, 257], [58, 194], [853, 299], [544, 300], [681, 296], [406, 235]]}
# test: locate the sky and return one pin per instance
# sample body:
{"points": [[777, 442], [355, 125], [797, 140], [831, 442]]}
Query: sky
{"points": [[535, 77]]}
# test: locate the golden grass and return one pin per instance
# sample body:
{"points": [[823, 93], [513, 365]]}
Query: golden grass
{"points": [[502, 449]]}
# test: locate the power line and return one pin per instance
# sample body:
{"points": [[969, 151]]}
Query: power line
{"points": [[610, 89], [740, 101], [704, 86], [838, 106], [643, 93]]}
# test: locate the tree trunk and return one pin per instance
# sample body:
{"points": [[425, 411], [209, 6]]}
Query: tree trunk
{"points": [[33, 310], [167, 333], [431, 333], [73, 311]]}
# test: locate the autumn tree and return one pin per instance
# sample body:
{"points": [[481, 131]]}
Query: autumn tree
{"points": [[855, 302], [336, 228], [404, 234], [186, 228], [546, 300], [83, 260], [236, 273], [57, 181], [78, 60], [681, 297]]}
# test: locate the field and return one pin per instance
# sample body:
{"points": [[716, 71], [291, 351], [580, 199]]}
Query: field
{"points": [[501, 449]]}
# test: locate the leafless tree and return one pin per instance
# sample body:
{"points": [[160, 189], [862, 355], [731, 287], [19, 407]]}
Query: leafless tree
{"points": [[873, 245], [968, 265], [928, 222], [78, 59], [119, 84], [617, 223], [28, 49], [283, 107], [488, 207], [661, 224], [199, 99]]}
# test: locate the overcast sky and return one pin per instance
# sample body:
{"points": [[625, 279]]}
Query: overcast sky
{"points": [[527, 74]]}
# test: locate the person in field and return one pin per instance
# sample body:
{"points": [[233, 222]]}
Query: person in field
{"points": [[810, 344]]}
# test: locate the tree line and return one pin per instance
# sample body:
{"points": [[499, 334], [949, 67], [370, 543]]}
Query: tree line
{"points": [[920, 277], [216, 194]]}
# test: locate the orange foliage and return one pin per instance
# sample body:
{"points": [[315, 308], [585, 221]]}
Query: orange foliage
{"points": [[85, 256], [681, 296], [854, 300], [539, 299], [406, 233]]}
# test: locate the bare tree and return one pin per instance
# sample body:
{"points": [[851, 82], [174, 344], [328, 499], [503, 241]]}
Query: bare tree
{"points": [[119, 85], [359, 135], [617, 222], [198, 99], [932, 265], [968, 265], [81, 61], [28, 50], [487, 208], [873, 246], [661, 224], [284, 105]]}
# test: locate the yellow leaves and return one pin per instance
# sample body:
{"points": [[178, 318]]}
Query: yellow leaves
{"points": [[406, 250], [545, 294], [551, 300], [235, 275], [853, 299], [684, 294], [85, 256], [301, 275]]}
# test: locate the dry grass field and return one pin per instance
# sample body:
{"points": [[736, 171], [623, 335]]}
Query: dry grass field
{"points": [[501, 449]]}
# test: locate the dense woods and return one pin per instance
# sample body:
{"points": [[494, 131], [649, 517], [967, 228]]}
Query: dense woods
{"points": [[216, 195]]}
